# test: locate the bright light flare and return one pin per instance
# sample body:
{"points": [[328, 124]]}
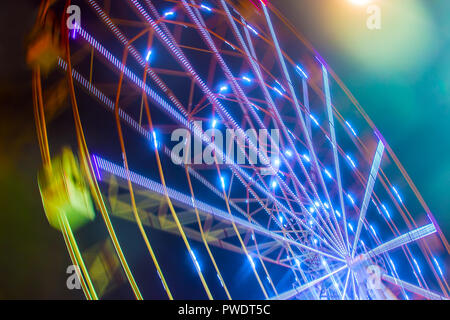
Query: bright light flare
{"points": [[169, 14], [247, 79], [360, 2], [207, 8], [147, 57], [301, 72]]}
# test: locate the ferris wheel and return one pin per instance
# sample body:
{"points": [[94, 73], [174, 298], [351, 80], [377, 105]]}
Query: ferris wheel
{"points": [[306, 200]]}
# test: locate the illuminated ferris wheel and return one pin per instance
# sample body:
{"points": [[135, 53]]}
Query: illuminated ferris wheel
{"points": [[320, 208]]}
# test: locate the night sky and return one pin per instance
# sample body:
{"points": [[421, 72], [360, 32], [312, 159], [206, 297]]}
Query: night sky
{"points": [[400, 75]]}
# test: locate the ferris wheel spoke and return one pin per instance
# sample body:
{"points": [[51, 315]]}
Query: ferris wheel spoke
{"points": [[368, 193], [402, 240], [413, 288], [173, 48], [291, 211], [355, 293], [335, 156], [302, 124], [344, 292], [327, 234], [291, 293], [306, 103], [252, 58], [335, 280]]}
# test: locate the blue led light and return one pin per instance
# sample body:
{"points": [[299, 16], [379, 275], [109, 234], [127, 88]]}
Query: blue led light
{"points": [[74, 33], [417, 266], [147, 57], [252, 29], [352, 162], [169, 14], [161, 280], [438, 266], [251, 261], [279, 84], [301, 72], [397, 194], [393, 265], [386, 211], [278, 91], [230, 45], [351, 198], [314, 119], [207, 8], [221, 282], [373, 230], [155, 140], [276, 162], [247, 79], [350, 227], [195, 261], [351, 128]]}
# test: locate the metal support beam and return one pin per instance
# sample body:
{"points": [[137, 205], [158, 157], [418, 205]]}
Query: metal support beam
{"points": [[368, 193], [406, 238], [413, 288]]}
